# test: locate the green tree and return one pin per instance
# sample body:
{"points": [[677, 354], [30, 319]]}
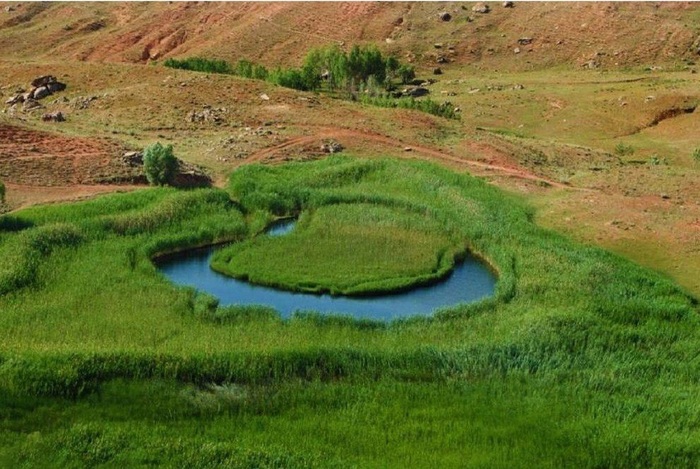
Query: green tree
{"points": [[366, 62], [407, 73], [159, 164], [289, 78], [392, 67], [336, 63], [312, 69], [2, 192]]}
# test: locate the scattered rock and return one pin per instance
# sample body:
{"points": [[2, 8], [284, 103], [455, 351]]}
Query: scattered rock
{"points": [[437, 45], [331, 146], [55, 86], [665, 196], [516, 50], [40, 92], [481, 8], [15, 99], [9, 9], [43, 81], [437, 71], [407, 149], [83, 102], [207, 115], [445, 16], [415, 92], [442, 60], [591, 64], [30, 104], [133, 159], [508, 5], [42, 87], [53, 117], [518, 87], [523, 41], [264, 97]]}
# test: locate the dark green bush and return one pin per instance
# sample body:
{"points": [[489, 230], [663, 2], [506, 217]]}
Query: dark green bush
{"points": [[406, 73], [200, 64], [159, 164]]}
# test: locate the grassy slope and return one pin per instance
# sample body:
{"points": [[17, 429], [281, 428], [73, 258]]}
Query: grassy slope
{"points": [[579, 354]]}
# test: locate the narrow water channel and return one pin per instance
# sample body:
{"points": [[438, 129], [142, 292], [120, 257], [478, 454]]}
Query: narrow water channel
{"points": [[470, 281]]}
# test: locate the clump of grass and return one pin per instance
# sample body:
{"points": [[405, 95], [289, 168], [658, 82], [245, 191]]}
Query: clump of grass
{"points": [[622, 149], [445, 109], [696, 155]]}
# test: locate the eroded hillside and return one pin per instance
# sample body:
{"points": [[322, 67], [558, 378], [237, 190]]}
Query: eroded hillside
{"points": [[528, 35]]}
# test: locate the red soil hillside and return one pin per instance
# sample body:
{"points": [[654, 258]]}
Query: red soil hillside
{"points": [[609, 34]]}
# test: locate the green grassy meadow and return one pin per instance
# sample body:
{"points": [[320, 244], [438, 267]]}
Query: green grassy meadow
{"points": [[581, 358]]}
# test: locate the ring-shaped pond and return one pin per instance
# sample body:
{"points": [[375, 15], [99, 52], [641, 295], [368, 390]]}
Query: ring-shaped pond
{"points": [[470, 281]]}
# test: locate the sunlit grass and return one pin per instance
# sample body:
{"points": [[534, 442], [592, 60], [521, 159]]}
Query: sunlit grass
{"points": [[581, 359]]}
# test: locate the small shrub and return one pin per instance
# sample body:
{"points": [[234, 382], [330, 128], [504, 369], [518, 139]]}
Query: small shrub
{"points": [[696, 156], [407, 73], [624, 150], [159, 164], [656, 160], [2, 192]]}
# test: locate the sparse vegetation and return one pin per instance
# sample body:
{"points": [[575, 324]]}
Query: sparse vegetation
{"points": [[622, 149], [2, 192], [696, 155], [446, 109], [159, 164]]}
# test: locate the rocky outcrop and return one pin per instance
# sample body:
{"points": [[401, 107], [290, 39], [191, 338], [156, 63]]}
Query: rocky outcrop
{"points": [[41, 87], [331, 146], [481, 8], [53, 117]]}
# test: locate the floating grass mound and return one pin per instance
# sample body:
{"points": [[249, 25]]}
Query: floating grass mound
{"points": [[581, 359]]}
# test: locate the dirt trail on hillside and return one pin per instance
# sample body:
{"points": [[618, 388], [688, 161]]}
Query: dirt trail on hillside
{"points": [[409, 150]]}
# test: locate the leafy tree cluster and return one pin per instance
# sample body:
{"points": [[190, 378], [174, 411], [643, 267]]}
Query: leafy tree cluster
{"points": [[200, 64], [364, 69], [338, 69]]}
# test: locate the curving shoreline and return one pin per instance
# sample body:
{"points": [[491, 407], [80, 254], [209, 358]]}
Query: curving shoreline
{"points": [[469, 281]]}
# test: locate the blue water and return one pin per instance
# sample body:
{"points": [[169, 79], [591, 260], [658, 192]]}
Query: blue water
{"points": [[470, 281]]}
